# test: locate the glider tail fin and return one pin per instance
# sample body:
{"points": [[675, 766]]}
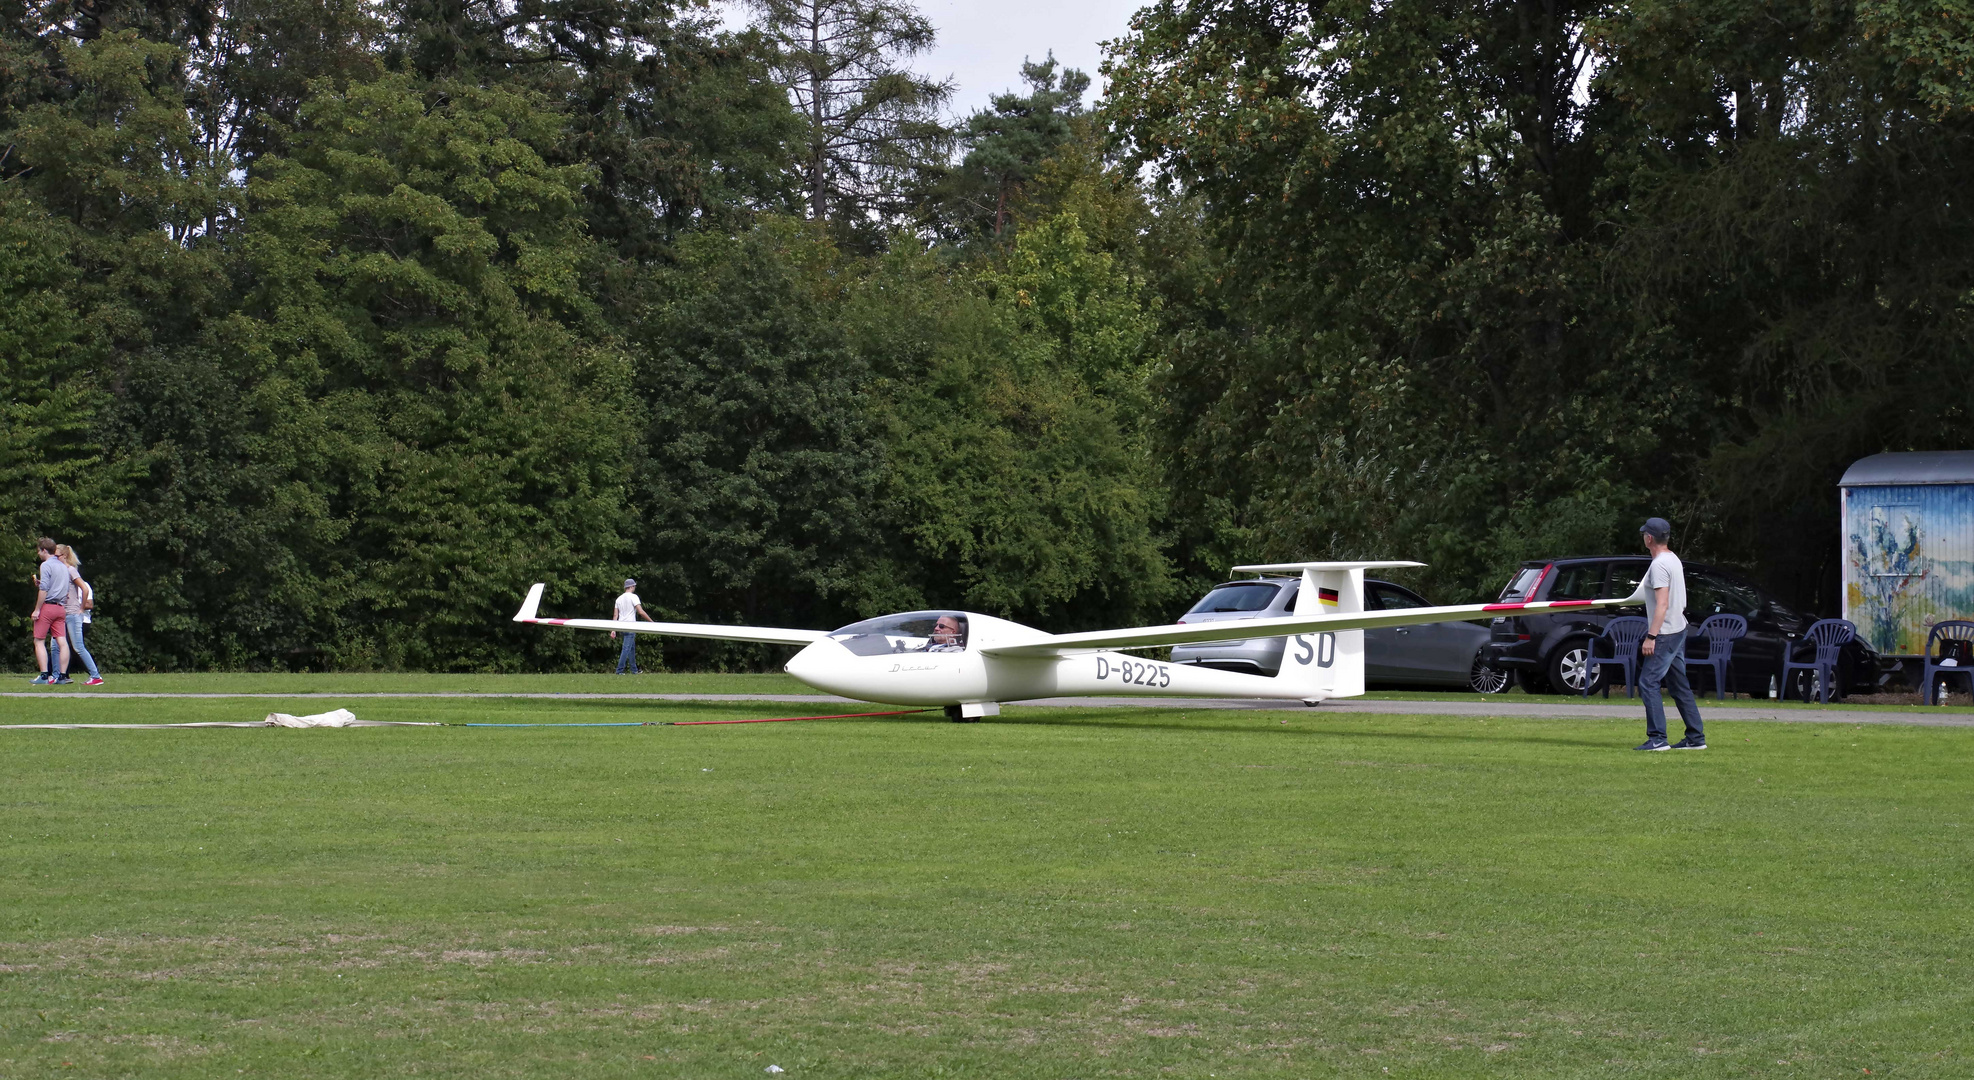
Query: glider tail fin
{"points": [[1325, 665]]}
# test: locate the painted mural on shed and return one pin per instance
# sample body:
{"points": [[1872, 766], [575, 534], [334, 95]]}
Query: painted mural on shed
{"points": [[1909, 546]]}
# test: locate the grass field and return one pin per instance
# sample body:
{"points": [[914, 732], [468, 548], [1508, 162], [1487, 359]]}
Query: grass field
{"points": [[692, 683], [1057, 893]]}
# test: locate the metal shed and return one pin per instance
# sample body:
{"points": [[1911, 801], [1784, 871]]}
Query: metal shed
{"points": [[1908, 546]]}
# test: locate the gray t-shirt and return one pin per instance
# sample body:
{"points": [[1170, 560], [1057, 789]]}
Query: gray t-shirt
{"points": [[55, 580], [1667, 572]]}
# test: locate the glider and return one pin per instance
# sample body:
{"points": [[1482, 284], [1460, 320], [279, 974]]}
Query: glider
{"points": [[969, 663]]}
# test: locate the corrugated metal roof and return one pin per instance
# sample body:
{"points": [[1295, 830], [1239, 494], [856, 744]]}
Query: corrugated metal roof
{"points": [[1929, 467]]}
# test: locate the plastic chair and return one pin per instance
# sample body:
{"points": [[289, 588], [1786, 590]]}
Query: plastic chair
{"points": [[1955, 641], [1720, 632], [1829, 636], [1624, 633]]}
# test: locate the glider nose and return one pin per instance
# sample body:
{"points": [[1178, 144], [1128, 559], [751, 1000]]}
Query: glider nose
{"points": [[810, 665]]}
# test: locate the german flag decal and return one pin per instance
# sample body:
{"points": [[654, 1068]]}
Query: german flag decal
{"points": [[1327, 596]]}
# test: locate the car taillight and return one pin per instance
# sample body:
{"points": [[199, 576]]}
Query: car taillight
{"points": [[1524, 637]]}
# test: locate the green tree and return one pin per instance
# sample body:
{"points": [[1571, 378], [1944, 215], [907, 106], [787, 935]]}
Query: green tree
{"points": [[416, 266], [1398, 195], [54, 479], [1008, 143], [1016, 410], [872, 131], [762, 461]]}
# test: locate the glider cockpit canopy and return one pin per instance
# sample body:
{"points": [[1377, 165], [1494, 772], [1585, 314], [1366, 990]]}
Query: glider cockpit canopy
{"points": [[911, 632]]}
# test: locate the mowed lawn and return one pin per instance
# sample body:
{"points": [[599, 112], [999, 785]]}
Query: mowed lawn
{"points": [[1053, 893]]}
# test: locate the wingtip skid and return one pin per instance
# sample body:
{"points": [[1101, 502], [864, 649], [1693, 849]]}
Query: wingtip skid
{"points": [[532, 604]]}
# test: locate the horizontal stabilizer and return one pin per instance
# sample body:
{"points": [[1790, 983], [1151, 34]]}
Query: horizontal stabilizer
{"points": [[1145, 637], [772, 635]]}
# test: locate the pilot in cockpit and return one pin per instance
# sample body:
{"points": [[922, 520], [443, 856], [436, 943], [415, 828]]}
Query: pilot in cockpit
{"points": [[946, 635]]}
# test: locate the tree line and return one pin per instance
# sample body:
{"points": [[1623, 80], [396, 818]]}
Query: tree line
{"points": [[329, 326]]}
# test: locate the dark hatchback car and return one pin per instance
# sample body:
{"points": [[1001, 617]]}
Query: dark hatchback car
{"points": [[1547, 652]]}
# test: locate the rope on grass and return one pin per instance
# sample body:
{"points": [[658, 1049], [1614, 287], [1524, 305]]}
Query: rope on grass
{"points": [[790, 719], [622, 723]]}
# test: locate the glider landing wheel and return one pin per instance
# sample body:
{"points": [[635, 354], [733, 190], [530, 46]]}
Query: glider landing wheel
{"points": [[953, 713]]}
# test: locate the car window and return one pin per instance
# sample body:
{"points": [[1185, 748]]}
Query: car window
{"points": [[1707, 594], [1702, 596], [1390, 597], [1578, 581], [1288, 599], [1623, 579], [1237, 596], [1520, 584]]}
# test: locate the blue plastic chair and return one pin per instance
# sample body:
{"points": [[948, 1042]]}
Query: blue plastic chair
{"points": [[1949, 640], [1624, 633], [1829, 636], [1720, 632]]}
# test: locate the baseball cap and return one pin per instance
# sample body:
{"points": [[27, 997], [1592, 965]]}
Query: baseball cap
{"points": [[1658, 528], [630, 581]]}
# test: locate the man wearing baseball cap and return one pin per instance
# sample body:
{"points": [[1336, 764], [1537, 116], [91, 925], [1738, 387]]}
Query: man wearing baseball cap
{"points": [[628, 609], [1664, 647]]}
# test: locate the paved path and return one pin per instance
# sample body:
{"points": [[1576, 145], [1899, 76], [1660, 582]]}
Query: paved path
{"points": [[1543, 710]]}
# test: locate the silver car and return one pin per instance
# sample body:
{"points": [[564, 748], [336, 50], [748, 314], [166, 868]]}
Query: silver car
{"points": [[1438, 654]]}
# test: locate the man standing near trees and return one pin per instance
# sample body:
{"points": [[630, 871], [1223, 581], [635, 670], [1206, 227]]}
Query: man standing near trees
{"points": [[50, 614], [1664, 647], [628, 609]]}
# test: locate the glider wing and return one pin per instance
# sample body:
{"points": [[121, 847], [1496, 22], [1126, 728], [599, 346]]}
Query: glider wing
{"points": [[772, 635], [1144, 637]]}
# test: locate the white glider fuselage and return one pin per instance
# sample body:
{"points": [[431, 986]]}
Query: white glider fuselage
{"points": [[974, 674]]}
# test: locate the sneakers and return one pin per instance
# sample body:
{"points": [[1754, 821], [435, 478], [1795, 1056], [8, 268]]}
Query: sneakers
{"points": [[42, 679], [1690, 743], [1652, 744], [61, 680], [94, 680]]}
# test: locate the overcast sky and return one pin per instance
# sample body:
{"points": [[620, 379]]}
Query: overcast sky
{"points": [[981, 45]]}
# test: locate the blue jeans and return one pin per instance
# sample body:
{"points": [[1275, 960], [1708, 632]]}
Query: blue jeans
{"points": [[75, 646], [1667, 665], [627, 660]]}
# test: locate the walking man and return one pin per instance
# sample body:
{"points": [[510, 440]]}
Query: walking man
{"points": [[628, 609], [50, 614], [1664, 647]]}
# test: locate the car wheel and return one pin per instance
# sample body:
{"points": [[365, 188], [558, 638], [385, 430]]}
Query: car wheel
{"points": [[1487, 680], [1569, 666]]}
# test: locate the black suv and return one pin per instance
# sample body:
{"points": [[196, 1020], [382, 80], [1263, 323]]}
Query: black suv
{"points": [[1547, 652]]}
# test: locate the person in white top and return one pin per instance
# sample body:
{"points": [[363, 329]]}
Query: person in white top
{"points": [[1663, 652], [628, 609]]}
